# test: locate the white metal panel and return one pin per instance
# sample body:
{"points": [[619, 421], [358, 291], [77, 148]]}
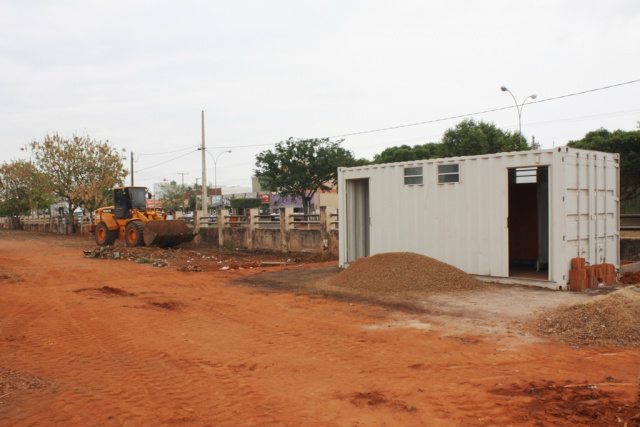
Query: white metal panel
{"points": [[593, 219]]}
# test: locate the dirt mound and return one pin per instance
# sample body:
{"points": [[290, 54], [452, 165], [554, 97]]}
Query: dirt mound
{"points": [[610, 320], [405, 272], [630, 278]]}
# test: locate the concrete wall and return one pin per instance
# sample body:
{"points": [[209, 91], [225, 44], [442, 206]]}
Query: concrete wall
{"points": [[207, 237], [54, 224], [305, 241], [234, 237], [267, 239], [288, 235]]}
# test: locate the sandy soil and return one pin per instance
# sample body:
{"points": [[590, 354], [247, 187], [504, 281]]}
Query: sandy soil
{"points": [[103, 342]]}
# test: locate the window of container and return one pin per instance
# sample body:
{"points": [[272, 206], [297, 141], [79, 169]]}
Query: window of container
{"points": [[448, 173], [413, 175]]}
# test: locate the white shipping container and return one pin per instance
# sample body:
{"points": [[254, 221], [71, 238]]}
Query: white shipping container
{"points": [[517, 217]]}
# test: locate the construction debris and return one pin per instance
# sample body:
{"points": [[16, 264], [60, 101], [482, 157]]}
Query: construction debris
{"points": [[610, 320]]}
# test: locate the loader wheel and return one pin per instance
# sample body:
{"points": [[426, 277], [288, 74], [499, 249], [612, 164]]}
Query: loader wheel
{"points": [[104, 236], [133, 234]]}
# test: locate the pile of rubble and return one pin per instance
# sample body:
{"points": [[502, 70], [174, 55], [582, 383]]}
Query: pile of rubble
{"points": [[610, 320], [129, 254]]}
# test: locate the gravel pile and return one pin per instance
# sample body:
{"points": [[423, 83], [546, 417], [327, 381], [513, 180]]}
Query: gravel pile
{"points": [[610, 320], [405, 272]]}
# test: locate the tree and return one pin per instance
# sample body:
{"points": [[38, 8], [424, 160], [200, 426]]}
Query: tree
{"points": [[22, 188], [404, 153], [469, 138], [82, 171], [302, 167], [627, 144], [172, 197], [193, 204]]}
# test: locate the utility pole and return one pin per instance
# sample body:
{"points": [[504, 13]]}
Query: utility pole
{"points": [[204, 173], [183, 174], [132, 168]]}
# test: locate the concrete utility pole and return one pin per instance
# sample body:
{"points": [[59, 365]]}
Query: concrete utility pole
{"points": [[204, 172], [132, 168], [183, 174]]}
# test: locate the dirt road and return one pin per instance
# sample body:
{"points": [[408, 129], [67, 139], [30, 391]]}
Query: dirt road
{"points": [[93, 342]]}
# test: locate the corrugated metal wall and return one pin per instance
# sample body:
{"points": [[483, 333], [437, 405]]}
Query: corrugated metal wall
{"points": [[592, 206]]}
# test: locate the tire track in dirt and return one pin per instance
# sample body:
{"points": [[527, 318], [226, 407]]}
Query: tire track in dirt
{"points": [[141, 369], [231, 356]]}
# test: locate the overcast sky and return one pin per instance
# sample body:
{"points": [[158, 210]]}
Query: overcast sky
{"points": [[139, 73]]}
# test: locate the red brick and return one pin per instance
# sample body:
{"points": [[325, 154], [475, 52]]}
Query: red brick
{"points": [[599, 271], [577, 263], [578, 285], [577, 274]]}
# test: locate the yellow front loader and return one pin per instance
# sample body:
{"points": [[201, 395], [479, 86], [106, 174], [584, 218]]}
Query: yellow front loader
{"points": [[129, 219]]}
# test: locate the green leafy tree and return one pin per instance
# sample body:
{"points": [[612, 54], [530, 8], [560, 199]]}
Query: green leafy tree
{"points": [[405, 153], [82, 171], [173, 197], [22, 188], [470, 138], [467, 138], [193, 202], [627, 144], [301, 167]]}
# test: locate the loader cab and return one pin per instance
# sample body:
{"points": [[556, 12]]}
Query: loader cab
{"points": [[127, 198]]}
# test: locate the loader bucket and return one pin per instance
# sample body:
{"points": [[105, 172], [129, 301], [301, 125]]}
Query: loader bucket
{"points": [[166, 233]]}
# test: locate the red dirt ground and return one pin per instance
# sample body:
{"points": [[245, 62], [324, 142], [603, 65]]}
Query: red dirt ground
{"points": [[94, 342]]}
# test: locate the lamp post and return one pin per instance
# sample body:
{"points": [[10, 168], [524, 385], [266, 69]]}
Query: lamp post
{"points": [[519, 108], [215, 168]]}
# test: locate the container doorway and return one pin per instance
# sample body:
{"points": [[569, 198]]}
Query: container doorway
{"points": [[528, 223], [358, 219]]}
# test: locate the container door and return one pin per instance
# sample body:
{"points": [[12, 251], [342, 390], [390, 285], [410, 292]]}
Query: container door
{"points": [[357, 217], [529, 223]]}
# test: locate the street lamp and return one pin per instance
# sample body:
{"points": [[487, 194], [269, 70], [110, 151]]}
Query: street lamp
{"points": [[215, 168], [519, 108]]}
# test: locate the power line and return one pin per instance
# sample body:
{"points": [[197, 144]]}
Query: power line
{"points": [[159, 164], [392, 127], [167, 152], [246, 146], [483, 112]]}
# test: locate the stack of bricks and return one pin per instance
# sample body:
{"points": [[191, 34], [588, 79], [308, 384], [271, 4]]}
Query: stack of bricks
{"points": [[582, 277]]}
